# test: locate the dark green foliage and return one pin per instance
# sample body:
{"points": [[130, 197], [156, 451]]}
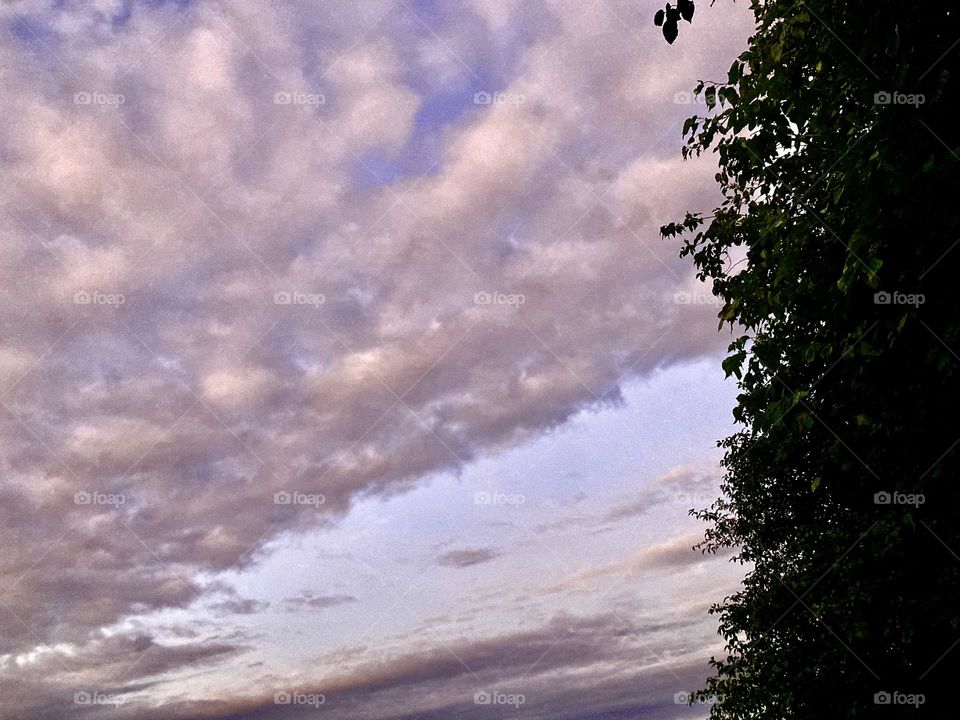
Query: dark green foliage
{"points": [[841, 189]]}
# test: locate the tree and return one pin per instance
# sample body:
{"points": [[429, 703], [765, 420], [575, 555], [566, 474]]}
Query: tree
{"points": [[835, 253]]}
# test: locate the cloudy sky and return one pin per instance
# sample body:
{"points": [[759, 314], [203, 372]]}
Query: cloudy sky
{"points": [[343, 369]]}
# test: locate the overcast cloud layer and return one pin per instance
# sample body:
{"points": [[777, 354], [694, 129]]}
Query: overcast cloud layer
{"points": [[263, 262]]}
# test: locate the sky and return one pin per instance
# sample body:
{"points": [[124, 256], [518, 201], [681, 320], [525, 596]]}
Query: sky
{"points": [[343, 370]]}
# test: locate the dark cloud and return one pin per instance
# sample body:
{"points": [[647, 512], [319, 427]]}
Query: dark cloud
{"points": [[467, 557], [121, 666], [245, 606], [308, 601], [571, 668]]}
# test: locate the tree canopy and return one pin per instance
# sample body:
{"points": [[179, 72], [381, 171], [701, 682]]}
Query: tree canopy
{"points": [[835, 252]]}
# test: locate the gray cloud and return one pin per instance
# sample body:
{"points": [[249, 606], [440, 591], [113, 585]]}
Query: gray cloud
{"points": [[246, 606], [308, 601], [467, 557], [571, 667], [45, 685]]}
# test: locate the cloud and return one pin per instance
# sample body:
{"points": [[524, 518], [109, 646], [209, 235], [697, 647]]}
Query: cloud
{"points": [[246, 606], [308, 601], [210, 301], [674, 555], [467, 557], [570, 667], [44, 682], [685, 485]]}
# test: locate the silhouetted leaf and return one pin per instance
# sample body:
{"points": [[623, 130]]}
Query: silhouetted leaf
{"points": [[670, 31], [710, 96]]}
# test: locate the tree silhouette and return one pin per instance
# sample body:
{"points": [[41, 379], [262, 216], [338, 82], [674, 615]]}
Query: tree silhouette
{"points": [[836, 251]]}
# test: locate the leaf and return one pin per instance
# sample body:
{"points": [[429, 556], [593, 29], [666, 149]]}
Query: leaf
{"points": [[729, 94], [735, 73], [670, 31], [732, 364], [658, 18], [710, 96]]}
